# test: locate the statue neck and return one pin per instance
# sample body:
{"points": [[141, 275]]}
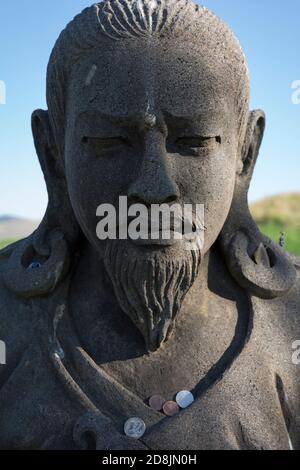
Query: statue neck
{"points": [[211, 310]]}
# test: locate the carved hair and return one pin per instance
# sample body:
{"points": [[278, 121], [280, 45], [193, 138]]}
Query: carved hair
{"points": [[128, 19]]}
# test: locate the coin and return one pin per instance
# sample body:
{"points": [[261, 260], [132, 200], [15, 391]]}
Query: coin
{"points": [[170, 408], [184, 398], [34, 265], [156, 402], [135, 428]]}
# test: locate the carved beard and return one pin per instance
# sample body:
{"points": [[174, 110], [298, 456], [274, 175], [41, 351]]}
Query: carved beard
{"points": [[150, 285]]}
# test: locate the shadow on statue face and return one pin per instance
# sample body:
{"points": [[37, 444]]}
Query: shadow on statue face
{"points": [[157, 118], [188, 156], [155, 124]]}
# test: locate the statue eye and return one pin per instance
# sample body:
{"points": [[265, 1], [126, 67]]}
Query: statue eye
{"points": [[107, 144], [198, 142]]}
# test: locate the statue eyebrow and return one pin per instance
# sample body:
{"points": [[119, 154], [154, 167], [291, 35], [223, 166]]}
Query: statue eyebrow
{"points": [[191, 117], [134, 118], [138, 118]]}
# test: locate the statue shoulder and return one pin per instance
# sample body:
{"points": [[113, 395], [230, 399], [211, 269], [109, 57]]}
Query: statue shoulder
{"points": [[27, 299], [6, 296], [295, 260], [295, 291], [291, 301], [15, 325], [6, 252]]}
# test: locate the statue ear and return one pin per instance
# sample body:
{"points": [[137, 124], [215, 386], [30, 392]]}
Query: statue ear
{"points": [[59, 214], [251, 145], [256, 263], [45, 145], [50, 244]]}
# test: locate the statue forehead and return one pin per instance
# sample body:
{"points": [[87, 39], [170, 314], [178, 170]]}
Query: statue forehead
{"points": [[135, 76]]}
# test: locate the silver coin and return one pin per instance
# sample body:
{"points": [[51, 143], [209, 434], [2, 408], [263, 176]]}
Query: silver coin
{"points": [[184, 399], [135, 428]]}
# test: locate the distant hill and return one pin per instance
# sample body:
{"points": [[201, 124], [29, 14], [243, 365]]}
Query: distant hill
{"points": [[280, 214], [282, 209], [14, 228], [5, 218]]}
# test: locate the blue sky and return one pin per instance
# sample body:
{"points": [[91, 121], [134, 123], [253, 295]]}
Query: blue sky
{"points": [[268, 31]]}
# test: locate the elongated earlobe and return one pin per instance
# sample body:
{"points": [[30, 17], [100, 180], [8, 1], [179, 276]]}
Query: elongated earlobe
{"points": [[40, 262], [256, 263]]}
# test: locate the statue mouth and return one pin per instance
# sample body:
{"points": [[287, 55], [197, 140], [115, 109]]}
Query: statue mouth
{"points": [[158, 238]]}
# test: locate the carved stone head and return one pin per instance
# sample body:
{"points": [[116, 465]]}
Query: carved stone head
{"points": [[150, 99]]}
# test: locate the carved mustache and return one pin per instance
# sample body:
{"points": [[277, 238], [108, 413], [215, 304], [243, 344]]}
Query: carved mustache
{"points": [[175, 224]]}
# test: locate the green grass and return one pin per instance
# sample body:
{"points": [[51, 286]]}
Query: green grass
{"points": [[292, 235], [4, 243]]}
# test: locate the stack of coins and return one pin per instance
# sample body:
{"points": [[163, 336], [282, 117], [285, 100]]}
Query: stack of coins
{"points": [[183, 400], [135, 427]]}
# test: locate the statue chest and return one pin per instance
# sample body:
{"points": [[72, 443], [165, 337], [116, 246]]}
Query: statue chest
{"points": [[73, 406], [58, 396], [203, 343]]}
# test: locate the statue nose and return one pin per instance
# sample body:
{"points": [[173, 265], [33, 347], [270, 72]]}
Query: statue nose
{"points": [[155, 184], [156, 191]]}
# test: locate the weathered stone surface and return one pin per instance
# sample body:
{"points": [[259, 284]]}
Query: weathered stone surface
{"points": [[148, 99]]}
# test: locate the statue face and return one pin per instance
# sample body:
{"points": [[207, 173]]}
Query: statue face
{"points": [[154, 121], [188, 156]]}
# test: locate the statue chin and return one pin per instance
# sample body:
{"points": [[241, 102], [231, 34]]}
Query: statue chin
{"points": [[150, 285]]}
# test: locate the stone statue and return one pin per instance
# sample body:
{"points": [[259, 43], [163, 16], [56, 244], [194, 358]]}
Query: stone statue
{"points": [[148, 99]]}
